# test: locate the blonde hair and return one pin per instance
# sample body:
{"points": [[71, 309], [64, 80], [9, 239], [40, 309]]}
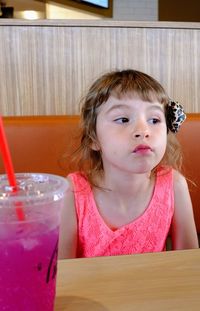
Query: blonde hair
{"points": [[118, 83]]}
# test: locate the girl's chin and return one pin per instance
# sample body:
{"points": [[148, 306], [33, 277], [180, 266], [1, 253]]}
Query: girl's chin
{"points": [[144, 169]]}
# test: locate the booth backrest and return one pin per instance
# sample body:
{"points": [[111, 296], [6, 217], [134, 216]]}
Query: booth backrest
{"points": [[46, 143], [41, 143]]}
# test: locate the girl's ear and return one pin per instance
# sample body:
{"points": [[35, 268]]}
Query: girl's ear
{"points": [[95, 146]]}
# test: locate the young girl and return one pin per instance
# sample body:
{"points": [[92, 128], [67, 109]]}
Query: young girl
{"points": [[129, 192]]}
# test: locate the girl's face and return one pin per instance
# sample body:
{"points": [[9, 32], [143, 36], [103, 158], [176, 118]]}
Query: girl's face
{"points": [[131, 134]]}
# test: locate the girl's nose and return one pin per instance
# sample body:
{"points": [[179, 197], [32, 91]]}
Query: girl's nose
{"points": [[141, 131], [141, 135]]}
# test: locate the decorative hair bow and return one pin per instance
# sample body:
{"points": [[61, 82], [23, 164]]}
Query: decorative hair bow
{"points": [[175, 116]]}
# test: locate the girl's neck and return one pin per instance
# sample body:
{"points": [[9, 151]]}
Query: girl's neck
{"points": [[125, 183]]}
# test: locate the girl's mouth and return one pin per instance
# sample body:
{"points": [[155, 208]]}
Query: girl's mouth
{"points": [[142, 149]]}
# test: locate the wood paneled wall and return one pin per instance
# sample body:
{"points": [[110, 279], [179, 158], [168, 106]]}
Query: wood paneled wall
{"points": [[47, 66]]}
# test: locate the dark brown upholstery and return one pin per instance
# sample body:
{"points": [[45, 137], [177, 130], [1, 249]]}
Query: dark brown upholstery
{"points": [[38, 143]]}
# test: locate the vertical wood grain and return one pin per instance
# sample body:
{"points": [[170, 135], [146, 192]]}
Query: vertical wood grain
{"points": [[46, 69]]}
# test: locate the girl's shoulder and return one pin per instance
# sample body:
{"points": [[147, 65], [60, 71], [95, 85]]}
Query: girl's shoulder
{"points": [[180, 182], [163, 169], [78, 181], [164, 174], [184, 233], [76, 175]]}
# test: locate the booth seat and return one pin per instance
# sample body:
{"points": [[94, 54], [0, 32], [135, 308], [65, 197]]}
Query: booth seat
{"points": [[46, 144]]}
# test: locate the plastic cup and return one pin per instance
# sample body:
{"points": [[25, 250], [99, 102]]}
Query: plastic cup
{"points": [[28, 249]]}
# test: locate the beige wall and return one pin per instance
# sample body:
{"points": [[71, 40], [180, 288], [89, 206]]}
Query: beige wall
{"points": [[46, 66], [56, 11]]}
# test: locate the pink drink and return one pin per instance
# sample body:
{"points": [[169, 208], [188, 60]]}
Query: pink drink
{"points": [[28, 256], [31, 284]]}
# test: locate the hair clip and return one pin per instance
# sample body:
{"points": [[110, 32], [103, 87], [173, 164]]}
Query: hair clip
{"points": [[175, 116]]}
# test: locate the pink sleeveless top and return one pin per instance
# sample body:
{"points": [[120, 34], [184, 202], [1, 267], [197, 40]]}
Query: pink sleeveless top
{"points": [[147, 233]]}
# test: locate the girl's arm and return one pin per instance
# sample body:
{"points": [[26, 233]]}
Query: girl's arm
{"points": [[184, 235], [68, 228]]}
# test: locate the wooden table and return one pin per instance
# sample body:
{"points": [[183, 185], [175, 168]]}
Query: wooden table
{"points": [[158, 281]]}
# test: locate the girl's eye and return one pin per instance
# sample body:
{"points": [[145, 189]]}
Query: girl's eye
{"points": [[154, 121], [121, 120]]}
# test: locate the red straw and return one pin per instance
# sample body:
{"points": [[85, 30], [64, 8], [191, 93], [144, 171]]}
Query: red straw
{"points": [[9, 167]]}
